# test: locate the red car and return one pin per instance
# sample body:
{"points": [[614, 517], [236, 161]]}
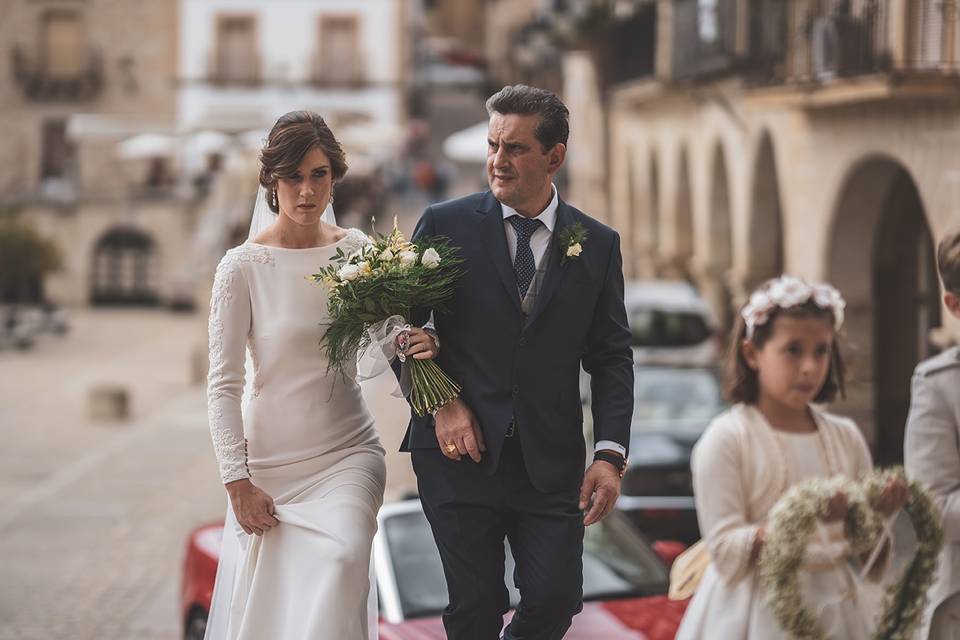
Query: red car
{"points": [[624, 581]]}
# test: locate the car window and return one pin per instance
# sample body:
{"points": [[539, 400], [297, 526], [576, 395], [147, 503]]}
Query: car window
{"points": [[675, 399], [657, 328], [616, 562]]}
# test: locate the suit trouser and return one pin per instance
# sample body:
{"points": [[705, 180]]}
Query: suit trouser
{"points": [[471, 513]]}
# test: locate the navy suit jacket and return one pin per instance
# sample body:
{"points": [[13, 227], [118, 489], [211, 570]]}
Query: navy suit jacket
{"points": [[530, 370]]}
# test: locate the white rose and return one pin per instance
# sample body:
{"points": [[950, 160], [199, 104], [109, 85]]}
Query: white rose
{"points": [[408, 258], [430, 259], [574, 250], [349, 272], [387, 255]]}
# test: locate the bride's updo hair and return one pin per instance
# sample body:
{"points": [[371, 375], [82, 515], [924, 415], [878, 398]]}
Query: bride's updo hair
{"points": [[294, 134]]}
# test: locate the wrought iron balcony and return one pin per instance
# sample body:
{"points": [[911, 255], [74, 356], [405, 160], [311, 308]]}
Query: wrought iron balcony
{"points": [[823, 42], [703, 38], [39, 83], [620, 35]]}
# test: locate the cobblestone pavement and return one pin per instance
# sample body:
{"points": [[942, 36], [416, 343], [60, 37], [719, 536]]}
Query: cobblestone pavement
{"points": [[96, 514]]}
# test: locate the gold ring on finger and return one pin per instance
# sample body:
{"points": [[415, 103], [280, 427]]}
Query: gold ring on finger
{"points": [[451, 447]]}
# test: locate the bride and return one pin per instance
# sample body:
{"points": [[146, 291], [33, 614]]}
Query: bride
{"points": [[299, 456]]}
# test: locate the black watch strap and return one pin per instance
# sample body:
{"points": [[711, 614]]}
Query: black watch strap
{"points": [[618, 461]]}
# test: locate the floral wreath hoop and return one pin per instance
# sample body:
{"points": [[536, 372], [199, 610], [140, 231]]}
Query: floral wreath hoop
{"points": [[794, 518]]}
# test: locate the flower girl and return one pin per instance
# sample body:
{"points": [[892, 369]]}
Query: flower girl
{"points": [[783, 360]]}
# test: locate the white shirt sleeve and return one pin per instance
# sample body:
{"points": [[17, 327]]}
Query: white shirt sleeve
{"points": [[229, 326], [610, 445]]}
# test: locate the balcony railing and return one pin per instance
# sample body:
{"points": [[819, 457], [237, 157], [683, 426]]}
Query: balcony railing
{"points": [[222, 70], [848, 38], [349, 76], [38, 83], [621, 35], [703, 37]]}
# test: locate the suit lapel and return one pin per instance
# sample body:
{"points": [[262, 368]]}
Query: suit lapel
{"points": [[495, 241], [554, 273]]}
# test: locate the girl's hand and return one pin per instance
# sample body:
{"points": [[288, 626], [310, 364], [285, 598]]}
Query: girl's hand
{"points": [[837, 508], [419, 343], [253, 508], [894, 496]]}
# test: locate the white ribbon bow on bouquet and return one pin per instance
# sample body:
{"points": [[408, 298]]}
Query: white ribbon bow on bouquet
{"points": [[380, 352]]}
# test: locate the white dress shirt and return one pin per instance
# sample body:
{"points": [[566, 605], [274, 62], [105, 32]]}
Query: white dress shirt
{"points": [[539, 243]]}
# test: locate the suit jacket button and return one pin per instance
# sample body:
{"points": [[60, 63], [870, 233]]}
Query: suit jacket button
{"points": [[516, 390], [523, 342]]}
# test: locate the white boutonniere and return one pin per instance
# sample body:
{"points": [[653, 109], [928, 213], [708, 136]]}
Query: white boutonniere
{"points": [[571, 239]]}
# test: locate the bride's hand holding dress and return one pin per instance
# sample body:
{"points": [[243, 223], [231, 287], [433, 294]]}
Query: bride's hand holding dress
{"points": [[253, 508]]}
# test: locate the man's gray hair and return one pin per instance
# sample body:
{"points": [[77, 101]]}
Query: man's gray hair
{"points": [[554, 125]]}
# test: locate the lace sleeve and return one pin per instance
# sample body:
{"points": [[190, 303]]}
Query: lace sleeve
{"points": [[229, 326]]}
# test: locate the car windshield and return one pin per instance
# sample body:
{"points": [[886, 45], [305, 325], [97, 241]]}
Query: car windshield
{"points": [[658, 328], [617, 562], [675, 399]]}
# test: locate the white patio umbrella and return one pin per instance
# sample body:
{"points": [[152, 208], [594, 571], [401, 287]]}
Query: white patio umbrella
{"points": [[468, 145], [253, 139], [208, 141], [147, 145]]}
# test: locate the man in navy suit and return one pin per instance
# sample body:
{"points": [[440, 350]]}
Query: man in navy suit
{"points": [[507, 458]]}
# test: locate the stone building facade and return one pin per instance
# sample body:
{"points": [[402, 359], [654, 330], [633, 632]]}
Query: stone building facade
{"points": [[81, 78], [817, 138]]}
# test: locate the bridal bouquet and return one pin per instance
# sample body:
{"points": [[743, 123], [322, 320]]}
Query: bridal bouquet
{"points": [[372, 293]]}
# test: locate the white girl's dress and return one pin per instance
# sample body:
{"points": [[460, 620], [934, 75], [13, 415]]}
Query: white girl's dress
{"points": [[741, 468], [305, 437]]}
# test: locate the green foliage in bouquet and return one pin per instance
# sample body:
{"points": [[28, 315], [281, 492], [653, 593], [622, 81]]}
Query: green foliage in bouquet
{"points": [[390, 277]]}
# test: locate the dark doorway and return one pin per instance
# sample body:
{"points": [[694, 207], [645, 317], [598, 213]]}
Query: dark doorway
{"points": [[124, 265]]}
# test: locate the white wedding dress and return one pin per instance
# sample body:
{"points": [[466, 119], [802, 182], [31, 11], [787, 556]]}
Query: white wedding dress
{"points": [[304, 436]]}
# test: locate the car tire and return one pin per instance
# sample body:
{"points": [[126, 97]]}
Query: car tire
{"points": [[196, 625]]}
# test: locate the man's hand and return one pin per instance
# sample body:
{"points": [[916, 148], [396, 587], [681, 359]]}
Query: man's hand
{"points": [[252, 506], [458, 432], [602, 483]]}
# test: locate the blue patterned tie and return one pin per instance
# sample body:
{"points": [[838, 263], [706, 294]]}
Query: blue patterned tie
{"points": [[524, 265]]}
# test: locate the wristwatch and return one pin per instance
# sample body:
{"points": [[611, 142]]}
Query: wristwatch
{"points": [[618, 461]]}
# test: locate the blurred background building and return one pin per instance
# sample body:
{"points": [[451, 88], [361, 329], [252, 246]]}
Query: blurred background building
{"points": [[80, 79], [732, 140], [727, 141]]}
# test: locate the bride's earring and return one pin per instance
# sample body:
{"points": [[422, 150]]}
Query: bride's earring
{"points": [[274, 201]]}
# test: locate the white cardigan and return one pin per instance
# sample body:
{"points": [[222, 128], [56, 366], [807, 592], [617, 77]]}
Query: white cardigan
{"points": [[738, 504]]}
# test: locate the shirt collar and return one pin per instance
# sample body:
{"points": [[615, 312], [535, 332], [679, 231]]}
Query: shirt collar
{"points": [[548, 217]]}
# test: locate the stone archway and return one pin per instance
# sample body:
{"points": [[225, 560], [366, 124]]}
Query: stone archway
{"points": [[719, 250], [676, 263], [764, 258], [124, 268], [881, 257], [653, 206]]}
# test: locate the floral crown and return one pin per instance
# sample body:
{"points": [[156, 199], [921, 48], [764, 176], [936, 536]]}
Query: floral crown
{"points": [[785, 292]]}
